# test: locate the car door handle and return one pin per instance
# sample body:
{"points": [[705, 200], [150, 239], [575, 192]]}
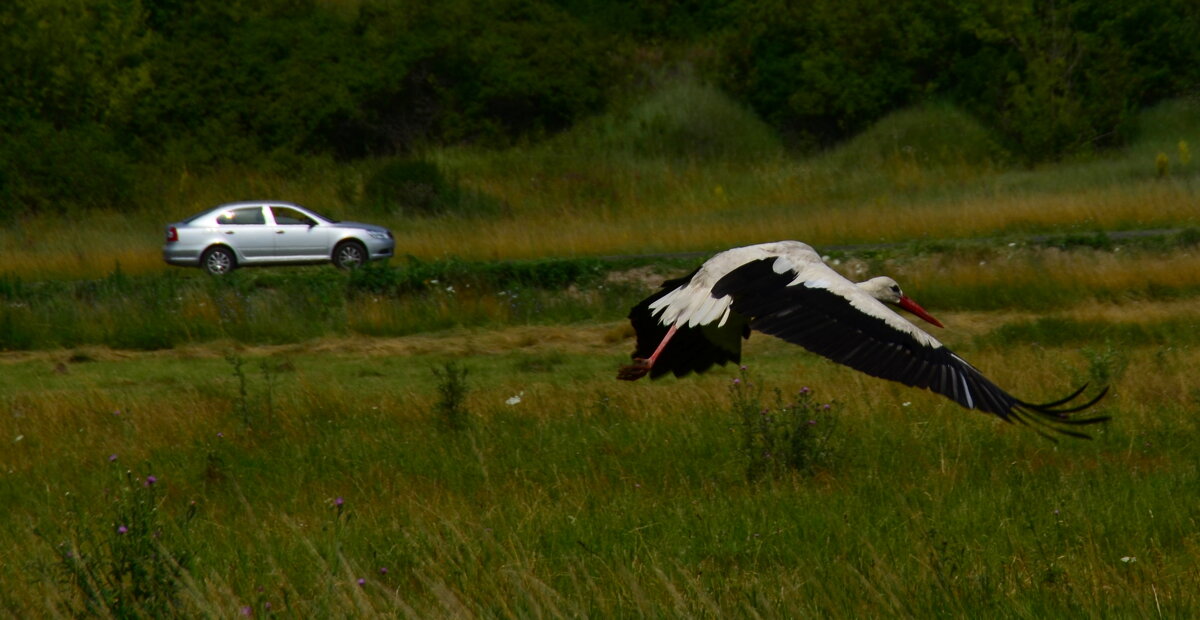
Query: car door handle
{"points": [[229, 232], [279, 232]]}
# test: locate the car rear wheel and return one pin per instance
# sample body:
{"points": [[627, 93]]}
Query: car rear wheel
{"points": [[218, 261], [349, 255]]}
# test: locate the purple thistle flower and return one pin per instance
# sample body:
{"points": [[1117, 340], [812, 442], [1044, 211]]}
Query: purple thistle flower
{"points": [[121, 529], [826, 406], [112, 458], [805, 390], [382, 570], [736, 380], [362, 582], [338, 501], [150, 480], [247, 611]]}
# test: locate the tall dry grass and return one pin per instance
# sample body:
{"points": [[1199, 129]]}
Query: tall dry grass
{"points": [[689, 222], [607, 187], [686, 221]]}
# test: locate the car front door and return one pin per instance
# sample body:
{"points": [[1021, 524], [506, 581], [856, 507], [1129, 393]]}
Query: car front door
{"points": [[245, 230], [298, 236]]}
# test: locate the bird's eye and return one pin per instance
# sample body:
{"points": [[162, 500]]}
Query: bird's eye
{"points": [[896, 289]]}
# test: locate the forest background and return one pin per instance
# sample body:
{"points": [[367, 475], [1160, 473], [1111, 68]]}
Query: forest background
{"points": [[101, 100]]}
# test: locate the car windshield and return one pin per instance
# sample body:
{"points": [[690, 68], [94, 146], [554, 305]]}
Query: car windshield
{"points": [[322, 216]]}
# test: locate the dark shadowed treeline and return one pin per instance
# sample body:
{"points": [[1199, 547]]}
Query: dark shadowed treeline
{"points": [[92, 91]]}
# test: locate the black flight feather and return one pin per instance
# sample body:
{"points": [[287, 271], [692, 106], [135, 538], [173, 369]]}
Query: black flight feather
{"points": [[827, 324]]}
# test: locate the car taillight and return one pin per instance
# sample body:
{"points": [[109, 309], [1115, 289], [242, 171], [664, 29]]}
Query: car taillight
{"points": [[172, 234]]}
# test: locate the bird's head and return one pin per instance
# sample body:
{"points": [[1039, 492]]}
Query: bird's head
{"points": [[886, 290]]}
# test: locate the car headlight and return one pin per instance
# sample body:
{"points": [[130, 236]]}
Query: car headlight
{"points": [[378, 235]]}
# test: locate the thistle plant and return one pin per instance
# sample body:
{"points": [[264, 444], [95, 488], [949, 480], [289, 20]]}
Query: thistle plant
{"points": [[450, 408], [243, 409], [241, 406], [783, 434], [122, 564]]}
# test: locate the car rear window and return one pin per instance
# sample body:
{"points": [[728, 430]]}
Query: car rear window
{"points": [[251, 215], [188, 219]]}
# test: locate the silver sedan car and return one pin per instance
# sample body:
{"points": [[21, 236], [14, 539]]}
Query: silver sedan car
{"points": [[271, 233]]}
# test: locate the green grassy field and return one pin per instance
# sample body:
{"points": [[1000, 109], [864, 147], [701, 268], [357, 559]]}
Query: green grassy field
{"points": [[332, 463], [301, 442]]}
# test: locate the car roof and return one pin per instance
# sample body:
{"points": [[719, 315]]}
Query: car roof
{"points": [[255, 203], [237, 204]]}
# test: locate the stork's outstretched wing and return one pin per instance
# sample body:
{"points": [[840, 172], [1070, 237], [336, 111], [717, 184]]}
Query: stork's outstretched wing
{"points": [[846, 325]]}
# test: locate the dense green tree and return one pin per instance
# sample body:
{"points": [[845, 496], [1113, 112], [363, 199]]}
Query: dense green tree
{"points": [[235, 82], [71, 62], [70, 74], [820, 71], [477, 71], [1053, 77], [1067, 74]]}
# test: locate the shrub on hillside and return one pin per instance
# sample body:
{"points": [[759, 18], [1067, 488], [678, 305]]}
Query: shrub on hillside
{"points": [[689, 119], [416, 187], [410, 186], [930, 136], [684, 119], [1161, 127]]}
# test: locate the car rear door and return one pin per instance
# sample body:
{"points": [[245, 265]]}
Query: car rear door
{"points": [[298, 236], [245, 230]]}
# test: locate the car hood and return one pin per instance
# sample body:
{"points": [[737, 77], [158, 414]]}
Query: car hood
{"points": [[360, 226]]}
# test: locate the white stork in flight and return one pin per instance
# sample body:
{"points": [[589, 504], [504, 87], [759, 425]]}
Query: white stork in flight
{"points": [[784, 289]]}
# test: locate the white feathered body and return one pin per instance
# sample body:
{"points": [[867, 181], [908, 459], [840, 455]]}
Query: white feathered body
{"points": [[693, 304]]}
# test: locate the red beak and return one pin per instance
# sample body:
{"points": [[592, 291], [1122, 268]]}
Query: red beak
{"points": [[910, 305]]}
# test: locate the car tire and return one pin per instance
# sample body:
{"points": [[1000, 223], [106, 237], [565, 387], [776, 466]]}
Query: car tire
{"points": [[349, 255], [218, 261]]}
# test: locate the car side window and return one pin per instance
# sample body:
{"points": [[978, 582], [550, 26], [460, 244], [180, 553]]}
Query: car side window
{"points": [[284, 215], [234, 217]]}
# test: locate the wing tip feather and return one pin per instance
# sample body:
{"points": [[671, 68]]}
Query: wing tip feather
{"points": [[1056, 416]]}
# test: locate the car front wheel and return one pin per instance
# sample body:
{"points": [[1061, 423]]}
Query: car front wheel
{"points": [[218, 261], [349, 255]]}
